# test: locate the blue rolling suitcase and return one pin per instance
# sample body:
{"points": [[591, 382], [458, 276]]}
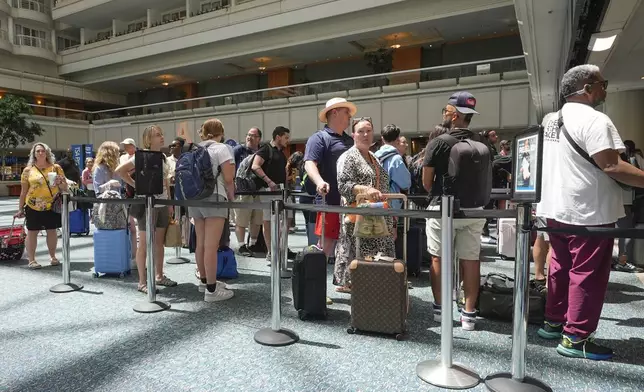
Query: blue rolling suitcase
{"points": [[79, 222], [112, 252]]}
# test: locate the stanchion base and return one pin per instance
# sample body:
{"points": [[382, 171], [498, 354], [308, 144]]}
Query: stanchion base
{"points": [[286, 274], [456, 377], [283, 337], [503, 382], [65, 288], [177, 260], [150, 307]]}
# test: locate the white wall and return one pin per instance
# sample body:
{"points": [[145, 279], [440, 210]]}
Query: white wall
{"points": [[626, 110], [505, 107], [60, 133]]}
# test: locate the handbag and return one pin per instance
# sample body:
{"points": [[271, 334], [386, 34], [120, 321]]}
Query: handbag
{"points": [[496, 299], [173, 235], [57, 201], [583, 153]]}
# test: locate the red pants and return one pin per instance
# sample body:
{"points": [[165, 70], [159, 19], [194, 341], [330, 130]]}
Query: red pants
{"points": [[577, 279], [331, 225]]}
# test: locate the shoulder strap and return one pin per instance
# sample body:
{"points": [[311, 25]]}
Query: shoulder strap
{"points": [[386, 156], [449, 139], [46, 180], [572, 143]]}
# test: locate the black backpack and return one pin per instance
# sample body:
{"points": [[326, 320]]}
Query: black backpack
{"points": [[417, 188], [469, 172]]}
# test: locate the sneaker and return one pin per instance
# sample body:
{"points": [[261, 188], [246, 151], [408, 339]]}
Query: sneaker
{"points": [[468, 320], [245, 251], [627, 267], [202, 286], [255, 249], [575, 347], [550, 330], [220, 294], [437, 312], [291, 255], [269, 257]]}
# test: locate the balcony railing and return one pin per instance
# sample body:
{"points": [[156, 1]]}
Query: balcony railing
{"points": [[451, 76], [32, 5], [4, 35], [36, 42]]}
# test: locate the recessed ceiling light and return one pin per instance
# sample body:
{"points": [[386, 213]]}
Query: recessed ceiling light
{"points": [[599, 44], [165, 83], [642, 79], [39, 102], [262, 68], [395, 46]]}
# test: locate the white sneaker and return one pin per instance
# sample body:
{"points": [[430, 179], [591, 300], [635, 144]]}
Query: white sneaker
{"points": [[202, 286], [220, 294], [437, 310], [468, 321]]}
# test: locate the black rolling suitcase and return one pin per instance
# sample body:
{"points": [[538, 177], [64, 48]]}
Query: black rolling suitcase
{"points": [[309, 282], [415, 244]]}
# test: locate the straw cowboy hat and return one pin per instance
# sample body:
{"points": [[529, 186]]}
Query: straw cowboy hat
{"points": [[335, 103]]}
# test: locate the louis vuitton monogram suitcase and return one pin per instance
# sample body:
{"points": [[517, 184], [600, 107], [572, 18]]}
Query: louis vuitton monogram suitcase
{"points": [[379, 292]]}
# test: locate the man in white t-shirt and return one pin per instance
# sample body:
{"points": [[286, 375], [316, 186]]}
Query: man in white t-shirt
{"points": [[129, 146], [576, 193]]}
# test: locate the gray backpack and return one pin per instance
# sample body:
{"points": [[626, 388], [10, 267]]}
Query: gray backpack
{"points": [[109, 216], [469, 172]]}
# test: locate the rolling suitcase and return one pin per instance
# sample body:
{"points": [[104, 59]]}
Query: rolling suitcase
{"points": [[379, 292], [309, 282], [506, 245], [79, 222], [112, 252], [415, 245]]}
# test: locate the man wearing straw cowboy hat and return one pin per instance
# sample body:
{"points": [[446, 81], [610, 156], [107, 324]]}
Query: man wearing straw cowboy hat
{"points": [[320, 158]]}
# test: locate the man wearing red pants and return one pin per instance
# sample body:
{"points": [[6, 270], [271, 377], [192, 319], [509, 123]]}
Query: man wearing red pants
{"points": [[320, 162], [580, 189]]}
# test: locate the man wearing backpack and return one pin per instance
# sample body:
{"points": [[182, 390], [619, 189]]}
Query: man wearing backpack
{"points": [[392, 161], [269, 165], [246, 218], [458, 163]]}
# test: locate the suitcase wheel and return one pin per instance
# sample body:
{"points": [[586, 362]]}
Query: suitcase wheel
{"points": [[351, 330], [301, 314], [95, 274], [401, 336], [122, 275]]}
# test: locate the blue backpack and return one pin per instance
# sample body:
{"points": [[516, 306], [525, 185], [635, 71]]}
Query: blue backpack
{"points": [[193, 176], [226, 263]]}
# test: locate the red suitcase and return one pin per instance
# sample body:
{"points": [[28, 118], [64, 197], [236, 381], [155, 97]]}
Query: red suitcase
{"points": [[12, 243]]}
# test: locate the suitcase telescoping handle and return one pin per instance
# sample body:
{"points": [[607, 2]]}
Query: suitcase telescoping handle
{"points": [[388, 196]]}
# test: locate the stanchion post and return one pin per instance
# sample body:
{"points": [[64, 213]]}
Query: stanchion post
{"points": [[517, 381], [276, 335], [151, 305], [177, 259], [67, 286], [444, 372], [284, 271]]}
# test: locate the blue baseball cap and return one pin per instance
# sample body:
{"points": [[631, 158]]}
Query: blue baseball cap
{"points": [[464, 102]]}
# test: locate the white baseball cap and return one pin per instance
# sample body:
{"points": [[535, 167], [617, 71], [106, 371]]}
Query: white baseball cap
{"points": [[127, 141]]}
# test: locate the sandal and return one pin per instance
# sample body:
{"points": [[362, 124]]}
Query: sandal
{"points": [[33, 264], [54, 262], [167, 282], [144, 289], [343, 289]]}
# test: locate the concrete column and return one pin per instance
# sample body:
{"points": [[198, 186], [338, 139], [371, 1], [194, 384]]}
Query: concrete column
{"points": [[154, 16], [118, 26], [625, 110], [53, 41], [192, 7], [10, 29], [82, 36]]}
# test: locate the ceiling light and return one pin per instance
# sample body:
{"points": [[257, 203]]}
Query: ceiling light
{"points": [[642, 79], [262, 68], [39, 102], [395, 46], [165, 83], [599, 44]]}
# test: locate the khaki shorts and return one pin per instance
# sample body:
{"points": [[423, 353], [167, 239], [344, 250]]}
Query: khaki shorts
{"points": [[268, 199], [467, 236], [243, 216], [161, 219]]}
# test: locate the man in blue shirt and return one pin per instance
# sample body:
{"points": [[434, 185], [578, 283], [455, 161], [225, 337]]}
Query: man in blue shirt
{"points": [[320, 159], [244, 217], [391, 160]]}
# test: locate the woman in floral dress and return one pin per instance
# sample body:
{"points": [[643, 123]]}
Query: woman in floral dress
{"points": [[36, 200], [361, 173]]}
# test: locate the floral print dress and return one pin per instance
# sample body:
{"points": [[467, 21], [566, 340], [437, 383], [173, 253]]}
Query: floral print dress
{"points": [[356, 170]]}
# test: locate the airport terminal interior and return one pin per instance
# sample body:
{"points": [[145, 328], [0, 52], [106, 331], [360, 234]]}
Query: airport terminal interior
{"points": [[94, 71]]}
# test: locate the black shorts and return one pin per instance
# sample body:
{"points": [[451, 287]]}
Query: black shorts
{"points": [[41, 220]]}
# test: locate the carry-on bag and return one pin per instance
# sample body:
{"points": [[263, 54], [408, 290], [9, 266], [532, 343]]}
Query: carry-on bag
{"points": [[507, 243], [496, 299], [309, 281], [226, 263], [112, 252], [379, 291], [79, 222], [12, 242]]}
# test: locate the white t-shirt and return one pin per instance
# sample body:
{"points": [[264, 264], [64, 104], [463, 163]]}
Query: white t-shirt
{"points": [[573, 191], [220, 153], [172, 164], [164, 195]]}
